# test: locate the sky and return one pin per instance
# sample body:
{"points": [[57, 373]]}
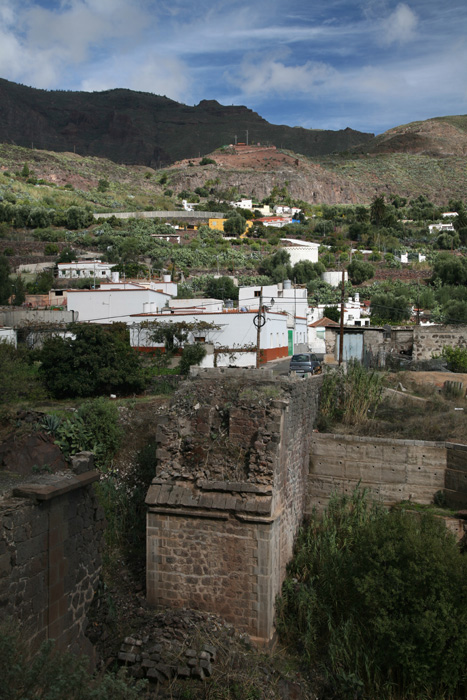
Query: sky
{"points": [[328, 64]]}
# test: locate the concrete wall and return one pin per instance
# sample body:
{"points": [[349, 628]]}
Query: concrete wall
{"points": [[50, 544], [393, 470], [16, 316], [230, 493]]}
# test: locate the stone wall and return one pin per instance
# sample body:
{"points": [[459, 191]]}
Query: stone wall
{"points": [[50, 544], [393, 470], [429, 341], [230, 493]]}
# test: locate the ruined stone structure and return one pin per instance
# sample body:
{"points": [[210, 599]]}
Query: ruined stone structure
{"points": [[50, 542], [230, 493]]}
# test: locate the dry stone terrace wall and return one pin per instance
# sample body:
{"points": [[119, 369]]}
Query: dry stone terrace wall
{"points": [[50, 544], [431, 340], [229, 493]]}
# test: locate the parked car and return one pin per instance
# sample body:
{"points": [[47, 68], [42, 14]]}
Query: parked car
{"points": [[305, 363]]}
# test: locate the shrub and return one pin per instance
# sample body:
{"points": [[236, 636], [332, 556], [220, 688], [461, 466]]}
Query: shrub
{"points": [[207, 161], [191, 355], [50, 675], [376, 598], [102, 360], [18, 378], [349, 396], [360, 271], [456, 358]]}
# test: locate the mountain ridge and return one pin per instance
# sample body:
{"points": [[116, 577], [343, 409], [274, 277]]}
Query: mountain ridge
{"points": [[139, 128]]}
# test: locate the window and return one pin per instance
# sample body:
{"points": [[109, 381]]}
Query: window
{"points": [[257, 293], [200, 339]]}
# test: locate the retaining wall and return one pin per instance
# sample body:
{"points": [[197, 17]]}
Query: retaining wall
{"points": [[393, 470], [230, 493]]}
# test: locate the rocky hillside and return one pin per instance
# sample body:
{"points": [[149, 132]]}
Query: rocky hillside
{"points": [[142, 128], [443, 136]]}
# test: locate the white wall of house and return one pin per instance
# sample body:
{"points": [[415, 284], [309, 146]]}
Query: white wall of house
{"points": [[316, 339], [88, 268], [334, 277], [196, 305], [8, 335], [277, 298], [114, 304], [236, 332], [298, 253], [355, 314], [440, 227], [243, 204]]}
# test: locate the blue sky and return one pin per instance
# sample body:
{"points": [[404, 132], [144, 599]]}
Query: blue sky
{"points": [[329, 64]]}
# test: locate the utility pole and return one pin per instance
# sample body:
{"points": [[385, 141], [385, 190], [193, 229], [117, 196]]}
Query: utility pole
{"points": [[247, 137], [341, 333], [258, 328]]}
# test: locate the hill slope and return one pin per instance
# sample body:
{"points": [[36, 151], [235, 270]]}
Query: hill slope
{"points": [[141, 128], [442, 136]]}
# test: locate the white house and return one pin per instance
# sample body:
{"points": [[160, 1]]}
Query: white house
{"points": [[243, 204], [355, 313], [440, 227], [233, 341], [195, 306], [274, 221], [8, 335], [165, 285], [284, 210], [282, 297], [85, 268], [300, 250], [316, 335], [334, 277], [115, 303]]}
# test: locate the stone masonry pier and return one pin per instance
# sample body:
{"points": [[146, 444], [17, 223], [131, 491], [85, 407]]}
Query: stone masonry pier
{"points": [[230, 493]]}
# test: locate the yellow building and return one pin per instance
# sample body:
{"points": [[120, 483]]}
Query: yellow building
{"points": [[218, 225]]}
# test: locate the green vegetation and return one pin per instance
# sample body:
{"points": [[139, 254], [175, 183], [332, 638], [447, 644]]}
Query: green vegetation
{"points": [[375, 599], [96, 361], [456, 358], [349, 396], [50, 675]]}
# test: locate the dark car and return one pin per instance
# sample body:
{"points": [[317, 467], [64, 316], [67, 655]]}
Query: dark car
{"points": [[305, 363]]}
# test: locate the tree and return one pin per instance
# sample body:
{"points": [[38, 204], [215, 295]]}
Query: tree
{"points": [[97, 361], [19, 291], [5, 282], [378, 210], [235, 224], [450, 269], [332, 313], [390, 307], [221, 288], [360, 271]]}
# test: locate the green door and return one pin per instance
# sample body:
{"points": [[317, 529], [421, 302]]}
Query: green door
{"points": [[290, 333]]}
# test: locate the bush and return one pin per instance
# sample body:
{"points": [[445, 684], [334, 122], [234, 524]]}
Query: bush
{"points": [[376, 598], [456, 358], [360, 271], [191, 355], [18, 378], [50, 675], [349, 396], [207, 161], [96, 362]]}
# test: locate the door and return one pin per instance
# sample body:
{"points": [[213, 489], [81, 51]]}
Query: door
{"points": [[353, 346]]}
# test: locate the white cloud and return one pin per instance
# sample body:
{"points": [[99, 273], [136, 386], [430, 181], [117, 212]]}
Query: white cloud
{"points": [[271, 76], [161, 75], [399, 27]]}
